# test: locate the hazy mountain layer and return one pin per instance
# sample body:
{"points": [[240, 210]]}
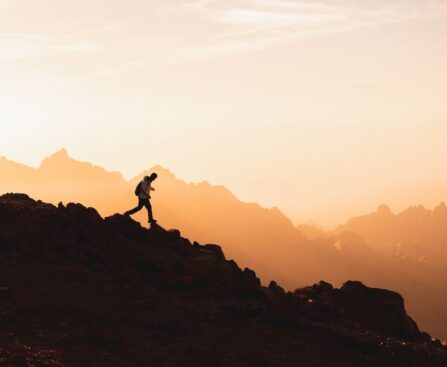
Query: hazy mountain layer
{"points": [[416, 232], [263, 239]]}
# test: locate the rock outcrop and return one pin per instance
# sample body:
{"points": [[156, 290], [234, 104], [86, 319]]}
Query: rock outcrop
{"points": [[373, 309]]}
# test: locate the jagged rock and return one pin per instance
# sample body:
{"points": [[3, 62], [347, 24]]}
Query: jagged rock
{"points": [[320, 291], [175, 233], [371, 308], [79, 211], [217, 250], [248, 283], [324, 287], [377, 309], [278, 290], [275, 294]]}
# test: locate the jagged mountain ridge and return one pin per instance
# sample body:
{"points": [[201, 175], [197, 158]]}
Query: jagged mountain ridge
{"points": [[259, 238], [79, 290], [202, 211], [417, 232]]}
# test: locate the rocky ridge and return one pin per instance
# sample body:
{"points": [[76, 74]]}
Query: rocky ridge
{"points": [[80, 290]]}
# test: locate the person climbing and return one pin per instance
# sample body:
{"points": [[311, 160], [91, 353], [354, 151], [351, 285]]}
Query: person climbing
{"points": [[143, 191]]}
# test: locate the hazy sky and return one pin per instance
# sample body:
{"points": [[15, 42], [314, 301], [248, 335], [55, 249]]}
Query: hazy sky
{"points": [[323, 108]]}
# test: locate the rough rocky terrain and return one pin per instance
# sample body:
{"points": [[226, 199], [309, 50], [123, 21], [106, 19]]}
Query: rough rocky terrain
{"points": [[80, 290]]}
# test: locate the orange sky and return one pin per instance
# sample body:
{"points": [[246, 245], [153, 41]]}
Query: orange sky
{"points": [[322, 108]]}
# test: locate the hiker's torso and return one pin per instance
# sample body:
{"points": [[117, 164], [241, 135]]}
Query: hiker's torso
{"points": [[145, 190]]}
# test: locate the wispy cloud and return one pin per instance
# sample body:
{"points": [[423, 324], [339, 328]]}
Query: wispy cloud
{"points": [[15, 46], [255, 24], [198, 3], [78, 47], [181, 30]]}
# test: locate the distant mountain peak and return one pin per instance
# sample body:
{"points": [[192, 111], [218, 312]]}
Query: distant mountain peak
{"points": [[160, 170], [62, 153], [441, 209], [59, 156], [384, 209]]}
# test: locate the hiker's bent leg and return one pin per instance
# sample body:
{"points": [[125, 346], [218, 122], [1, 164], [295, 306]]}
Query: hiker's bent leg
{"points": [[137, 209]]}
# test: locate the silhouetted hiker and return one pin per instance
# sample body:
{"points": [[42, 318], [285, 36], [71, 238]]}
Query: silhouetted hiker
{"points": [[143, 191]]}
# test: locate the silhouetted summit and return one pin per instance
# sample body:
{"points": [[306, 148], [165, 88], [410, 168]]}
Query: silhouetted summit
{"points": [[80, 290]]}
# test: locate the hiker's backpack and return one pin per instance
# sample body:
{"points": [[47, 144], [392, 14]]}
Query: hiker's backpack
{"points": [[138, 189]]}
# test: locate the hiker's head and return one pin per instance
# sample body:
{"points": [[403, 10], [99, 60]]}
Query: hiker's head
{"points": [[151, 178]]}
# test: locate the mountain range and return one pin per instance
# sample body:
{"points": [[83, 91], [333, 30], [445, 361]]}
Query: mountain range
{"points": [[403, 252]]}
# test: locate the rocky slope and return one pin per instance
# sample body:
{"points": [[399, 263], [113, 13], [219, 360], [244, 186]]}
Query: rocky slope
{"points": [[265, 239], [80, 290]]}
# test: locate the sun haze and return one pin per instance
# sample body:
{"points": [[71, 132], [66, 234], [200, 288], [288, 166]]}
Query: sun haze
{"points": [[325, 109]]}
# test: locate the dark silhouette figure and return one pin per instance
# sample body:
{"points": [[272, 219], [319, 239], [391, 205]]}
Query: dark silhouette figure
{"points": [[143, 191]]}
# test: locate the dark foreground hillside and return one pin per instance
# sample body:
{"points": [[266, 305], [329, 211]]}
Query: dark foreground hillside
{"points": [[79, 290]]}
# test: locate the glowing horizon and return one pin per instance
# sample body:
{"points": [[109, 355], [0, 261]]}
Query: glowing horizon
{"points": [[324, 109]]}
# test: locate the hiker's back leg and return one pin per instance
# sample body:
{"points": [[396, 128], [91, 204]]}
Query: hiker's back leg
{"points": [[136, 209]]}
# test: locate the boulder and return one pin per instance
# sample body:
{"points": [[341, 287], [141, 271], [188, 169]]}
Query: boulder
{"points": [[276, 289], [217, 250], [376, 309]]}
